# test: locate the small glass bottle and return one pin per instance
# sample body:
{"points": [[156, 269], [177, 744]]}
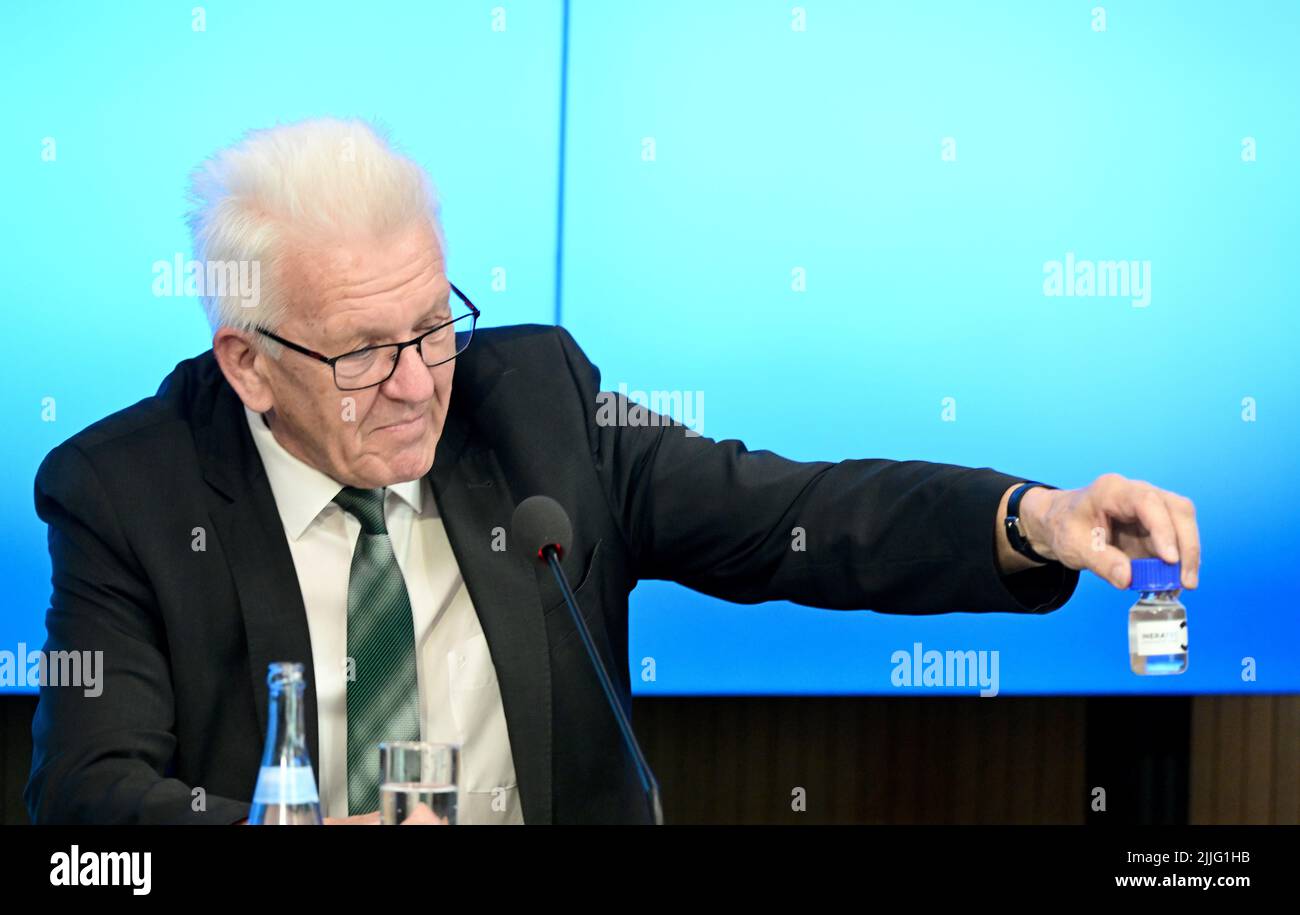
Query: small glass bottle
{"points": [[286, 786], [1157, 623]]}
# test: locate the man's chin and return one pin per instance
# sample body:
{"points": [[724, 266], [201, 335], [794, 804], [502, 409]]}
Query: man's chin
{"points": [[411, 466], [384, 464]]}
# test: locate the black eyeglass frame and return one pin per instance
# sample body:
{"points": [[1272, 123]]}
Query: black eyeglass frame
{"points": [[332, 361]]}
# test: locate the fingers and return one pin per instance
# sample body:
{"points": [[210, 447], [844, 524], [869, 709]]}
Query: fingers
{"points": [[1111, 564], [1145, 504], [360, 819], [1169, 519], [1183, 513], [423, 815]]}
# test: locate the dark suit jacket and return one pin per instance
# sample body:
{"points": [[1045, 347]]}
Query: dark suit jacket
{"points": [[187, 635]]}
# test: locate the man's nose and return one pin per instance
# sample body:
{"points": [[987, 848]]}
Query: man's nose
{"points": [[412, 380]]}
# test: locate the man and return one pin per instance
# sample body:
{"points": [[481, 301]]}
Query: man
{"points": [[310, 490]]}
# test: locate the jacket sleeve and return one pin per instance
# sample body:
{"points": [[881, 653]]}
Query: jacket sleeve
{"points": [[748, 526], [100, 754]]}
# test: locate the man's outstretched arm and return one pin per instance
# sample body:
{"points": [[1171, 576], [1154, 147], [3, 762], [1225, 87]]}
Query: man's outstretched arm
{"points": [[892, 536]]}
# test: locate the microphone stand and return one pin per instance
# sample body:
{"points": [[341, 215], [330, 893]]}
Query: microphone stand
{"points": [[649, 786]]}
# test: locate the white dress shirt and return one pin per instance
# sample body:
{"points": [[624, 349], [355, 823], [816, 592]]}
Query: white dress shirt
{"points": [[460, 701]]}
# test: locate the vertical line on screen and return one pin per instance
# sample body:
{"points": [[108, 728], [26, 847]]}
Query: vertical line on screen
{"points": [[559, 208]]}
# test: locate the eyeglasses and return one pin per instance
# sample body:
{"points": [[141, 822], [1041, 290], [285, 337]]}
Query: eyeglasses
{"points": [[373, 365]]}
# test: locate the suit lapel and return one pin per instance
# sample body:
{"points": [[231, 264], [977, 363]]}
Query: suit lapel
{"points": [[248, 527]]}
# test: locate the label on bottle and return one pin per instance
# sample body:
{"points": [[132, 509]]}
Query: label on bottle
{"points": [[285, 785], [1153, 637]]}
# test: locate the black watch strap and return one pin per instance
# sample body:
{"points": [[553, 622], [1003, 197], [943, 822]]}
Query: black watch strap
{"points": [[1015, 534]]}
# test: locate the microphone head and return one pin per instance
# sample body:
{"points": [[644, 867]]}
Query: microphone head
{"points": [[539, 521]]}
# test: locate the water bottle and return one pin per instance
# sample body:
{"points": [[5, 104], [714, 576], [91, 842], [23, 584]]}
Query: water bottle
{"points": [[1157, 623], [286, 786]]}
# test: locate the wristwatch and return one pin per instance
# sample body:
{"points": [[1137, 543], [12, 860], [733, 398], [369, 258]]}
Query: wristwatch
{"points": [[1015, 533]]}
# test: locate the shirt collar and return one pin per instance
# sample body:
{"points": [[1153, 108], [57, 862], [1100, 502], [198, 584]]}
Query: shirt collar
{"points": [[301, 491]]}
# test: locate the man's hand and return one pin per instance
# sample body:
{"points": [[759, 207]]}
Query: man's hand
{"points": [[422, 815], [361, 819], [1104, 525]]}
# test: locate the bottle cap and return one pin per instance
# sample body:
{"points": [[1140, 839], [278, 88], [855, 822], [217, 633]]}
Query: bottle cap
{"points": [[1155, 575]]}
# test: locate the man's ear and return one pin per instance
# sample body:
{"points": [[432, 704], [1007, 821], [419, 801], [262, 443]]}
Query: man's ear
{"points": [[244, 367]]}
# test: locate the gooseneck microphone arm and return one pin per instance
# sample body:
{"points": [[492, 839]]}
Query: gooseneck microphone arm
{"points": [[649, 786], [542, 521]]}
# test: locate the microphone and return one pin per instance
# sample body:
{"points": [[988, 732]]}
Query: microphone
{"points": [[542, 527]]}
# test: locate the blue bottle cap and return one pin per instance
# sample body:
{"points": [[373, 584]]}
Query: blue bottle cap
{"points": [[1155, 575]]}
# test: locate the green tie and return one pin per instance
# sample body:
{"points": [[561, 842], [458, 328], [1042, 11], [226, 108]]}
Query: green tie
{"points": [[383, 697]]}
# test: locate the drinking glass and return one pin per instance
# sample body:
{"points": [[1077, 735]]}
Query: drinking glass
{"points": [[413, 773]]}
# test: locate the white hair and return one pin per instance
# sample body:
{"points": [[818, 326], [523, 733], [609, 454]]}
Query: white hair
{"points": [[325, 179]]}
